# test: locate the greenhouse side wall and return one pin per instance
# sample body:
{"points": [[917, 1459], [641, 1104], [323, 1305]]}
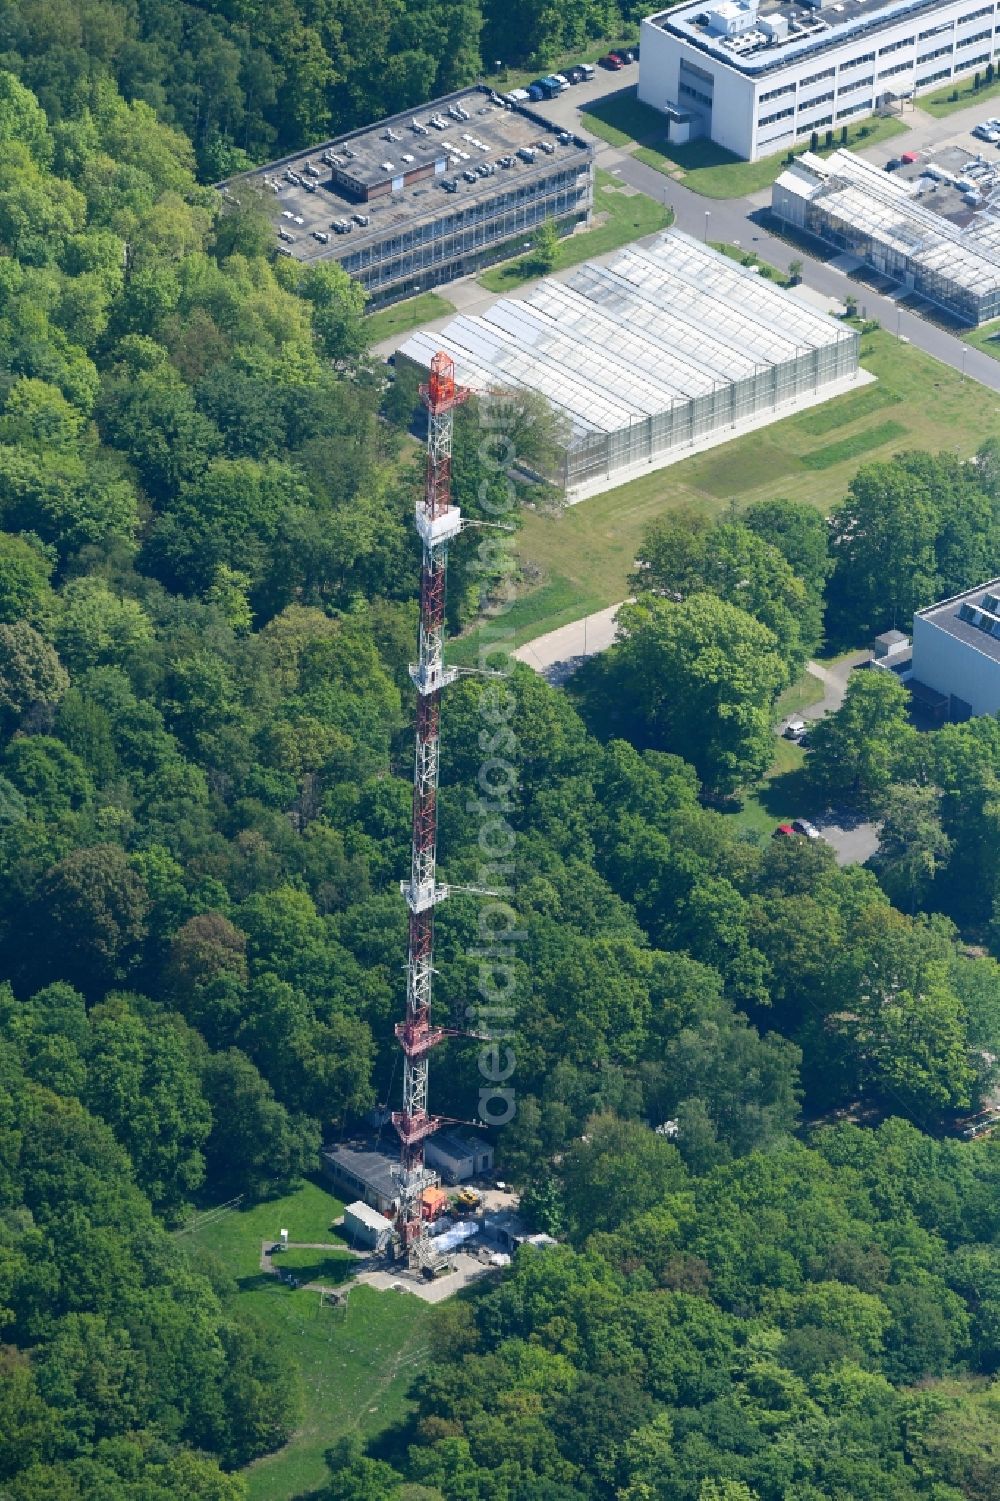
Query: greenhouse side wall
{"points": [[687, 422]]}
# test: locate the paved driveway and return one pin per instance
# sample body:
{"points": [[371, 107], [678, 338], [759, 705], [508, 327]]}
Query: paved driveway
{"points": [[557, 655], [853, 841], [832, 680]]}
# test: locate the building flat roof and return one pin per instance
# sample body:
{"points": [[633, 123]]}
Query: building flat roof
{"points": [[888, 210], [454, 1145], [615, 344], [376, 1169], [972, 617], [810, 28], [500, 129]]}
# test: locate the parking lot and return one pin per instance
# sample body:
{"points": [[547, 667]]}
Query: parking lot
{"points": [[564, 110]]}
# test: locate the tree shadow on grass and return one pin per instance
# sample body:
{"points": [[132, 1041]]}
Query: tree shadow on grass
{"points": [[257, 1282], [791, 794], [330, 1270]]}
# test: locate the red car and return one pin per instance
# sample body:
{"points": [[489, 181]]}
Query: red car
{"points": [[612, 62], [784, 829]]}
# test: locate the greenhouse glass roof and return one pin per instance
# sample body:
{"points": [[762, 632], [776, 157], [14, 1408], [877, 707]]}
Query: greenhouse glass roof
{"points": [[886, 210], [614, 344]]}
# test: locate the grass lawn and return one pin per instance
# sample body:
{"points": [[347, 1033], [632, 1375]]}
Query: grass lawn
{"points": [[806, 690], [746, 257], [356, 1364], [985, 338], [780, 796], [942, 103], [622, 118], [584, 555], [402, 316], [630, 216], [703, 166]]}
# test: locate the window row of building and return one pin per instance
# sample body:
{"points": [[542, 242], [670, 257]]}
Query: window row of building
{"points": [[457, 243], [873, 81]]}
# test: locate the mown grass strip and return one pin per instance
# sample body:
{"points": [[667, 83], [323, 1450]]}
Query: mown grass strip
{"points": [[849, 409], [854, 446]]}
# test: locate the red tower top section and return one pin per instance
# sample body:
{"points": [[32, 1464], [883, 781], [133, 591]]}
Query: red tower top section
{"points": [[442, 393], [441, 396]]}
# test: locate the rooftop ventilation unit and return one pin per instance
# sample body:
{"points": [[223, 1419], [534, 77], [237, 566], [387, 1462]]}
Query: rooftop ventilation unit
{"points": [[387, 166], [417, 128], [407, 157], [984, 618]]}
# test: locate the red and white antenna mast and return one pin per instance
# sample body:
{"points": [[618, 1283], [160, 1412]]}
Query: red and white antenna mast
{"points": [[438, 522]]}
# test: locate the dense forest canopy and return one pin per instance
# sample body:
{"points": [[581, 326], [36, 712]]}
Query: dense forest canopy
{"points": [[247, 80], [207, 586]]}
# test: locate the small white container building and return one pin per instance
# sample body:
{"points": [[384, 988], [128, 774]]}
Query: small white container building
{"points": [[364, 1226]]}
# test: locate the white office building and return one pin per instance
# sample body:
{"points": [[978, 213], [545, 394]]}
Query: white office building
{"points": [[956, 651], [757, 76]]}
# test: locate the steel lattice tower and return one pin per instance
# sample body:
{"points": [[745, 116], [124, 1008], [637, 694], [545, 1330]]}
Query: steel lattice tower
{"points": [[438, 522]]}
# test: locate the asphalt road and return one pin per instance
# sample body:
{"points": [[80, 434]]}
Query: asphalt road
{"points": [[740, 219], [558, 654]]}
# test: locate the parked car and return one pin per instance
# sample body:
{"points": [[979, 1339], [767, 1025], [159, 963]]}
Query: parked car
{"points": [[893, 164], [611, 61], [517, 96], [784, 830], [627, 56], [574, 75], [535, 92], [803, 826], [587, 69], [794, 729]]}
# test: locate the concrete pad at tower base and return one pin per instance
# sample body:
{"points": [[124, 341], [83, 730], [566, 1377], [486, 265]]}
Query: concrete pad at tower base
{"points": [[599, 485], [430, 1290]]}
